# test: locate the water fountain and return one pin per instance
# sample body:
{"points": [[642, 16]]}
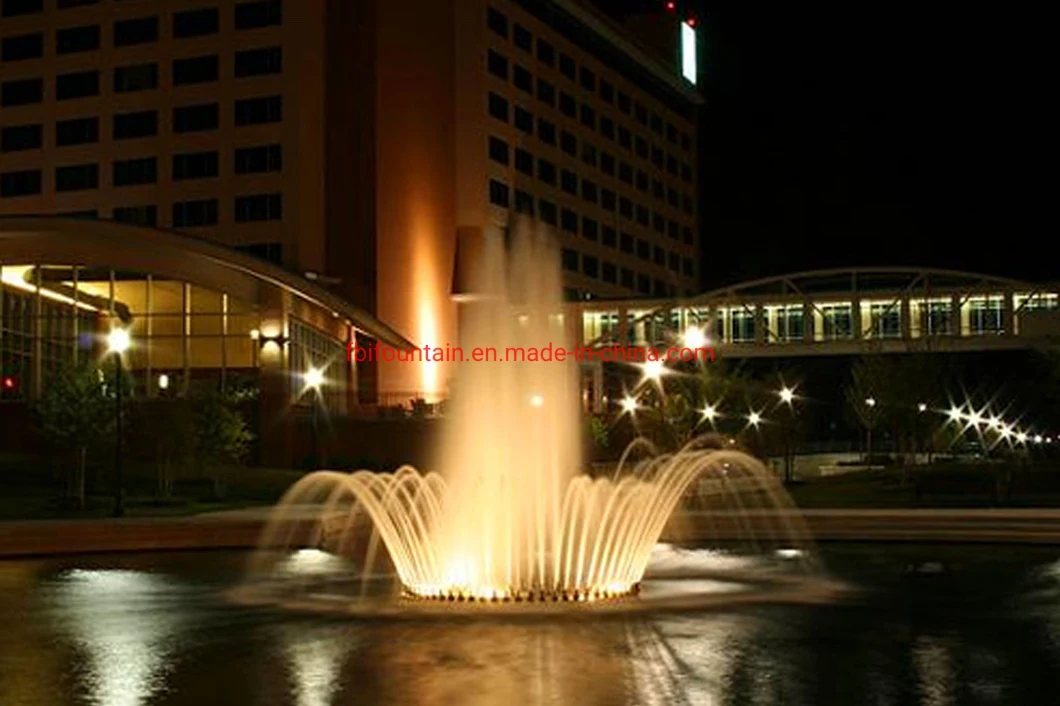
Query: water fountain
{"points": [[510, 519]]}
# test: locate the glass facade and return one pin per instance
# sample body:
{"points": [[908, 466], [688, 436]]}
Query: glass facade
{"points": [[53, 315], [882, 319]]}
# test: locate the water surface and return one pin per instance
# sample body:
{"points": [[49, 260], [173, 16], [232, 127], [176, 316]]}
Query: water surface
{"points": [[932, 626]]}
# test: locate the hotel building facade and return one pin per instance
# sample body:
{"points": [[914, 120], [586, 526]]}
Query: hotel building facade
{"points": [[310, 169]]}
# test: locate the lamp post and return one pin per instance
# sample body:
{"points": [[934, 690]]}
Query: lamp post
{"points": [[117, 344], [314, 381]]}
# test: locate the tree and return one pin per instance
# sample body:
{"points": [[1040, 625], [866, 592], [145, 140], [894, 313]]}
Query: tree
{"points": [[222, 436], [868, 378], [75, 413]]}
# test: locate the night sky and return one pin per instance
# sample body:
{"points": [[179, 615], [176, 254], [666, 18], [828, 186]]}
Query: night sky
{"points": [[843, 134]]}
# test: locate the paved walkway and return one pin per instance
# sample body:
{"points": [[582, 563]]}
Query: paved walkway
{"points": [[241, 529]]}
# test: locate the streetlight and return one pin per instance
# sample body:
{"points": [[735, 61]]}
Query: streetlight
{"points": [[314, 380], [786, 395], [117, 344], [921, 407], [694, 338], [870, 401], [754, 418], [629, 404], [710, 413], [653, 370]]}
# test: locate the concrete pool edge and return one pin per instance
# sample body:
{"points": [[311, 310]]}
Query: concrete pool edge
{"points": [[241, 529]]}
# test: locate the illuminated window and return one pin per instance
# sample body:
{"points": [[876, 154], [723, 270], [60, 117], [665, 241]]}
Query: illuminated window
{"points": [[688, 52]]}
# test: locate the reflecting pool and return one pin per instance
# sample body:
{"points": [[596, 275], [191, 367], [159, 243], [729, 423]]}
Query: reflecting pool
{"points": [[930, 625]]}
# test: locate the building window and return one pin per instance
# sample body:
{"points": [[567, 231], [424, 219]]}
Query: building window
{"points": [[195, 165], [16, 138], [885, 320], [196, 69], [21, 92], [624, 102], [589, 154], [524, 203], [262, 158], [522, 38], [269, 252], [644, 250], [567, 105], [590, 229], [263, 13], [546, 172], [497, 22], [643, 284], [546, 132], [522, 79], [499, 195], [20, 183], [259, 62], [524, 120], [568, 143], [607, 127], [588, 116], [546, 92], [569, 221], [77, 177], [567, 67], [77, 85], [196, 118], [589, 192], [138, 77], [627, 278], [607, 91], [590, 266], [497, 64], [193, 214], [688, 267], [140, 30], [570, 260], [256, 111], [196, 23], [132, 172], [607, 163], [547, 211], [76, 131], [498, 107], [498, 150], [743, 325], [625, 139], [940, 319], [14, 8], [610, 272], [259, 207], [588, 79], [837, 320], [568, 182], [77, 39], [133, 125], [23, 46], [546, 53], [137, 215], [609, 237], [985, 315], [524, 162]]}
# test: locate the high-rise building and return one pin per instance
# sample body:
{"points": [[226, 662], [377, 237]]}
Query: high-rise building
{"points": [[353, 145]]}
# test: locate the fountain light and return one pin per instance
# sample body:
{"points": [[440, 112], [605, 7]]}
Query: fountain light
{"points": [[1037, 438], [694, 338], [975, 419], [629, 404], [1006, 431], [994, 423], [1021, 437], [786, 395]]}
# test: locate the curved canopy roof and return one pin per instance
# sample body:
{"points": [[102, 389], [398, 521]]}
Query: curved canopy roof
{"points": [[864, 279], [72, 241]]}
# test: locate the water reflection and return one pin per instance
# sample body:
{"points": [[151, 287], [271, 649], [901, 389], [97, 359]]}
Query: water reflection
{"points": [[315, 656], [118, 621]]}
